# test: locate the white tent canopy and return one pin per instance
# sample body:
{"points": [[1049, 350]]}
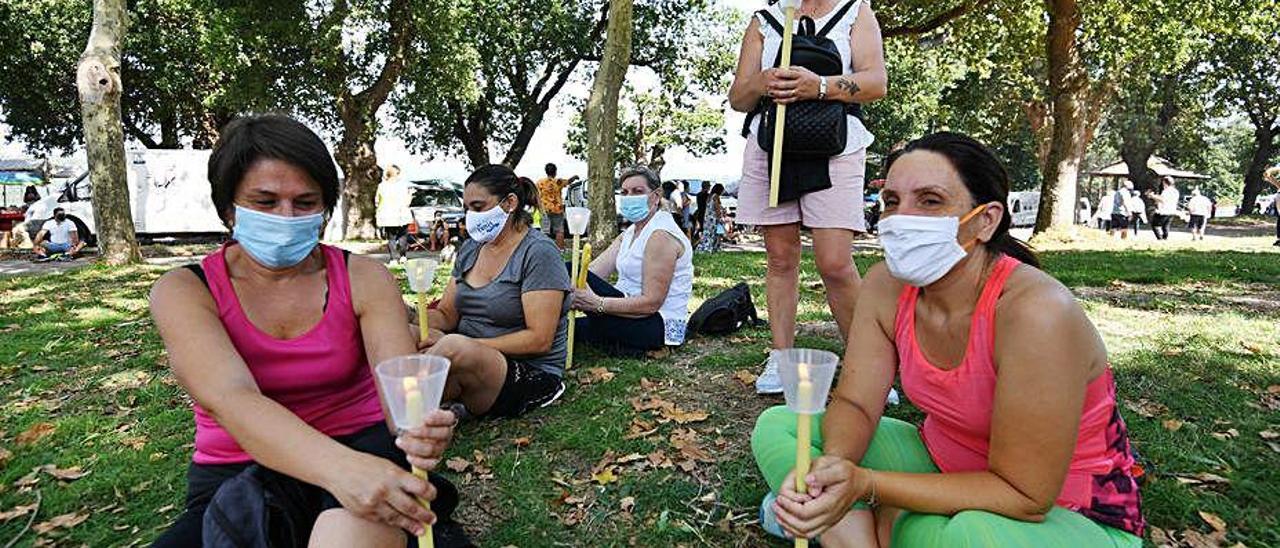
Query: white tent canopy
{"points": [[1156, 163]]}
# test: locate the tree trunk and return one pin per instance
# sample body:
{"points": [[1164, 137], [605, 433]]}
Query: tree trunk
{"points": [[99, 87], [1264, 146], [1068, 83], [602, 120], [356, 158]]}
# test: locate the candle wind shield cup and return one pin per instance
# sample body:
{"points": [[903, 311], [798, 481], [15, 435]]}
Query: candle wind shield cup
{"points": [[411, 386], [821, 369], [577, 218], [421, 274]]}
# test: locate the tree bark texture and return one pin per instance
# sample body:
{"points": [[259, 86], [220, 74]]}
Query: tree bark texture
{"points": [[602, 121], [1264, 146], [99, 87], [358, 112], [1068, 85]]}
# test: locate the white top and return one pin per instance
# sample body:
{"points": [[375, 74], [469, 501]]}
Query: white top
{"points": [[630, 265], [1199, 205], [858, 137], [59, 233], [1169, 201], [393, 201]]}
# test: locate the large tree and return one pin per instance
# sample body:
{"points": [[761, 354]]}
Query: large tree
{"points": [[335, 63], [98, 82], [1246, 65], [602, 119]]}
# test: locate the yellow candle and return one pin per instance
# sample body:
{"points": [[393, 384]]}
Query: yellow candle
{"points": [[423, 329], [576, 263], [583, 265], [775, 170], [413, 414], [804, 393]]}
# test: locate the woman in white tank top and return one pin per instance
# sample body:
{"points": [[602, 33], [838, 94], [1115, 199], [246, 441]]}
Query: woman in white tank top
{"points": [[833, 215], [649, 307]]}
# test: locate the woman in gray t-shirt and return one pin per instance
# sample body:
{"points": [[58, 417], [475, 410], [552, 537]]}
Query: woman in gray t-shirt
{"points": [[502, 322]]}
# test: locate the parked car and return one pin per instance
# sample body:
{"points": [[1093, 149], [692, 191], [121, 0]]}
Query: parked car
{"points": [[437, 195]]}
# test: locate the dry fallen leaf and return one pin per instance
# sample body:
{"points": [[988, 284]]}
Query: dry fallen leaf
{"points": [[1145, 407], [745, 377], [17, 511], [1201, 478], [1161, 538], [1195, 539], [640, 428], [628, 459], [521, 442], [1253, 348], [684, 417], [457, 464], [686, 441], [1229, 434], [1273, 445], [65, 521], [628, 504], [1172, 425], [37, 432], [64, 474], [1273, 389], [604, 477], [5, 455], [1214, 521], [594, 375]]}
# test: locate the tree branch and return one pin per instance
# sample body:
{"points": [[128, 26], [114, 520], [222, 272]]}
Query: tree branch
{"points": [[890, 31], [402, 30]]}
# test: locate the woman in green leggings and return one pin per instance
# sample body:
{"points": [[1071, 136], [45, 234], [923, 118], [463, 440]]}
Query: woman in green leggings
{"points": [[1022, 444]]}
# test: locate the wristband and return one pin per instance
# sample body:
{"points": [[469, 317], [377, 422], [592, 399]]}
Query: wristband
{"points": [[822, 88], [600, 306]]}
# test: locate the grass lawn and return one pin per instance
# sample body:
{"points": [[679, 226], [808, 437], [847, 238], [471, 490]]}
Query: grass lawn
{"points": [[642, 452]]}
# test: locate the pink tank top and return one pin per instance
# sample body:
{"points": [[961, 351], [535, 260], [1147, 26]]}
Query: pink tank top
{"points": [[958, 406], [321, 376]]}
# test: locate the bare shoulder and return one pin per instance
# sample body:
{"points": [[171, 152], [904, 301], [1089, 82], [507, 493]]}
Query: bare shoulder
{"points": [[1037, 304], [362, 267], [179, 287], [880, 290], [665, 244]]}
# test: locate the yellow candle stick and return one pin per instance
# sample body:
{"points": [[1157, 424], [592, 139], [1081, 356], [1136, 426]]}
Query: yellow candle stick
{"points": [[423, 329], [575, 263], [583, 268], [804, 393], [413, 411], [775, 168]]}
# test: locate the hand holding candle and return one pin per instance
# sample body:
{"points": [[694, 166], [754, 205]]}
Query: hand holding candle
{"points": [[806, 381], [410, 387]]}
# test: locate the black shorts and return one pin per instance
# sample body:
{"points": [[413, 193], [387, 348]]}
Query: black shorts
{"points": [[526, 388], [1196, 222], [203, 481], [1119, 222]]}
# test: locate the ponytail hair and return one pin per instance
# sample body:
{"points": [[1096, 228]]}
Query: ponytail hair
{"points": [[500, 181], [985, 177]]}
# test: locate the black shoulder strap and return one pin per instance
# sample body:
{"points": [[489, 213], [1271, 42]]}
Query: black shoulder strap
{"points": [[771, 20], [199, 272], [346, 257], [839, 16]]}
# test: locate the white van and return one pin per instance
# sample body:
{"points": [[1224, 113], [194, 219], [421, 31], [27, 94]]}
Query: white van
{"points": [[1023, 207], [169, 194]]}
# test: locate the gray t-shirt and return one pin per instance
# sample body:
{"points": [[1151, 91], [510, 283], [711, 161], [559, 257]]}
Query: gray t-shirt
{"points": [[495, 309]]}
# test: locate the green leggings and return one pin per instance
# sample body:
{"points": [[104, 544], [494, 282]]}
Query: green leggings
{"points": [[897, 447]]}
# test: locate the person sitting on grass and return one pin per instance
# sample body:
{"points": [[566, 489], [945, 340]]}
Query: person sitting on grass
{"points": [[502, 321], [1272, 175], [57, 237], [273, 335], [649, 308], [1022, 443]]}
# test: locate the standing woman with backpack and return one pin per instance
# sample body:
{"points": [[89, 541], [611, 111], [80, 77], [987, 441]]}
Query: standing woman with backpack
{"points": [[820, 189]]}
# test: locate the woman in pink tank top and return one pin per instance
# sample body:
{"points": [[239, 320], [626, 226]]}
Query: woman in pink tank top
{"points": [[1022, 444], [272, 336]]}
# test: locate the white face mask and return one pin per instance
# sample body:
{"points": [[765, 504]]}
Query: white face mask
{"points": [[920, 249], [484, 226]]}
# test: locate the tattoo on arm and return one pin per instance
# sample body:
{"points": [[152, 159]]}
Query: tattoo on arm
{"points": [[845, 83]]}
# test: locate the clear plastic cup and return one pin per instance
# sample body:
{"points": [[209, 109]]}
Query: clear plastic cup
{"points": [[820, 368], [411, 386], [421, 274], [577, 218]]}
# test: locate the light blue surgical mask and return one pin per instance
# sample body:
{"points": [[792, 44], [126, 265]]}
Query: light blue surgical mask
{"points": [[634, 208], [275, 241]]}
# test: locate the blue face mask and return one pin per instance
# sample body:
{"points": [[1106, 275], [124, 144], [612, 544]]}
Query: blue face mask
{"points": [[634, 208], [275, 241]]}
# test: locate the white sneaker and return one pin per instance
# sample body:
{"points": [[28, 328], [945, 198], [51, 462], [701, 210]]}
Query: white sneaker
{"points": [[769, 382], [893, 397]]}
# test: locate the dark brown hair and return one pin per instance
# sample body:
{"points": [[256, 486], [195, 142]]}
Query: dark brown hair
{"points": [[500, 181], [276, 136]]}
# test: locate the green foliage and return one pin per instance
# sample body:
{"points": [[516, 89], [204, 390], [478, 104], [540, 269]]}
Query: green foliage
{"points": [[686, 109], [169, 80]]}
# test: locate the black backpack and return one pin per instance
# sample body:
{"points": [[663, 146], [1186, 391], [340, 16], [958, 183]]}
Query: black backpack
{"points": [[725, 313]]}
